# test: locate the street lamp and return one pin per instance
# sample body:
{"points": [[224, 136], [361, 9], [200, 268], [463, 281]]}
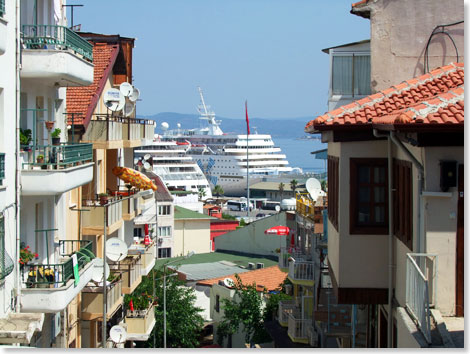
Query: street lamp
{"points": [[190, 254]]}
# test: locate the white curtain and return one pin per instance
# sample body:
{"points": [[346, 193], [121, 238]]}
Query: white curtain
{"points": [[362, 75]]}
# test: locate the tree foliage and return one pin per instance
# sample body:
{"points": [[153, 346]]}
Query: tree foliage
{"points": [[281, 189], [183, 320], [244, 309], [218, 190], [293, 185]]}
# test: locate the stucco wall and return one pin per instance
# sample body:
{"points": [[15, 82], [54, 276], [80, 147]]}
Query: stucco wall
{"points": [[191, 235], [399, 33]]}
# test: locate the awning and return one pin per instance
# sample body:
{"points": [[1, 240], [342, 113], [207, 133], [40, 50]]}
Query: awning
{"points": [[145, 219]]}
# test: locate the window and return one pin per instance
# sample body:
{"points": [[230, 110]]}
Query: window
{"points": [[369, 199], [402, 202], [164, 210], [164, 253], [217, 303], [333, 188], [351, 75], [138, 232], [164, 231]]}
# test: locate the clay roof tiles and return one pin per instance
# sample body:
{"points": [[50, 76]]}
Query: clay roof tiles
{"points": [[434, 98]]}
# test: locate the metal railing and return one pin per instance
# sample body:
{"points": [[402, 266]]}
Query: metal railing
{"points": [[44, 275], [301, 270], [59, 37], [2, 167], [420, 272], [297, 327], [56, 157], [2, 8], [130, 270], [285, 308]]}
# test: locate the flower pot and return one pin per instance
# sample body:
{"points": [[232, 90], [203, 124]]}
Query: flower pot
{"points": [[56, 141], [103, 200], [49, 124]]}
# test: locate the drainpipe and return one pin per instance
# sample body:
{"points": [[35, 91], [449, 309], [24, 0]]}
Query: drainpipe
{"points": [[17, 155], [390, 238]]}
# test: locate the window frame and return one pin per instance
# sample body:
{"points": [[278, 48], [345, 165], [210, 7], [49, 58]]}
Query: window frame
{"points": [[403, 202], [333, 190], [371, 228], [352, 55]]}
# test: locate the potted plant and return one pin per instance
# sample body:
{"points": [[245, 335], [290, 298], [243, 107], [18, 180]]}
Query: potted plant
{"points": [[25, 138], [49, 124], [103, 198], [26, 255], [56, 136]]}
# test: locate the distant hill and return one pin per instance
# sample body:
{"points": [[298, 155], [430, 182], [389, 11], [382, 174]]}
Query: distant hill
{"points": [[276, 127]]}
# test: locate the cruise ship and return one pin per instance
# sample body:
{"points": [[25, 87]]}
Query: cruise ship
{"points": [[170, 161], [223, 157]]}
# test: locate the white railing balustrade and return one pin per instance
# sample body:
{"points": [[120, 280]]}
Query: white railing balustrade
{"points": [[285, 308], [420, 277], [297, 327], [301, 270]]}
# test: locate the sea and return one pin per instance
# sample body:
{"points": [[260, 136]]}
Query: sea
{"points": [[298, 153]]}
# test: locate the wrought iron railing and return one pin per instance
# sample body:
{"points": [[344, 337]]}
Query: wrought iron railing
{"points": [[2, 167], [420, 273], [2, 8], [56, 157], [44, 275], [59, 37]]}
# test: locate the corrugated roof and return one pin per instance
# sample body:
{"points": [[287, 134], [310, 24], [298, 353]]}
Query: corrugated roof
{"points": [[269, 278], [432, 100], [183, 213]]}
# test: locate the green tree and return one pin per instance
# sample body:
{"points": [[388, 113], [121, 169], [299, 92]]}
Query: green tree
{"points": [[245, 308], [183, 320], [201, 192], [218, 190], [324, 185], [293, 185], [281, 189]]}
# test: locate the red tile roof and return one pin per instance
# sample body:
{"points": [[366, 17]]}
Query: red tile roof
{"points": [[269, 278], [430, 100], [83, 100]]}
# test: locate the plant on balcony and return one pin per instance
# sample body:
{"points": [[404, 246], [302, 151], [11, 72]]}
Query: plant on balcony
{"points": [[140, 303], [26, 255], [49, 124], [25, 138], [56, 136], [103, 198], [112, 277]]}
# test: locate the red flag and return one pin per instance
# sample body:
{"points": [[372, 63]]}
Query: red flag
{"points": [[247, 120], [131, 305]]}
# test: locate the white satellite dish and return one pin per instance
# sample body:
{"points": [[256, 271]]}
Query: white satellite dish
{"points": [[134, 95], [116, 249], [147, 166], [165, 126], [126, 89], [229, 283], [97, 275], [128, 108], [114, 99], [118, 334], [178, 125], [313, 187], [147, 156]]}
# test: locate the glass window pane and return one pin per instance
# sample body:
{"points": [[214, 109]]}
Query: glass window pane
{"points": [[364, 194], [379, 194], [363, 215], [363, 174], [342, 75], [379, 175], [379, 214], [362, 75]]}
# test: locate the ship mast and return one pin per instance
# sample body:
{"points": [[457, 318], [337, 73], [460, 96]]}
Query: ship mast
{"points": [[208, 115]]}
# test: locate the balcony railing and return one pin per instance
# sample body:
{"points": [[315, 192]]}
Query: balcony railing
{"points": [[290, 252], [297, 327], [301, 270], [57, 157], [2, 8], [2, 167], [420, 277], [95, 218], [92, 299], [130, 268], [104, 128], [44, 275], [285, 308], [140, 323], [60, 37]]}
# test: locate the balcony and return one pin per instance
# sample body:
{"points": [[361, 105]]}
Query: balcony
{"points": [[285, 308], [148, 254], [420, 289], [105, 132], [92, 299], [286, 253], [56, 54], [3, 28], [93, 220], [140, 324], [297, 328], [301, 272], [134, 130], [130, 207], [49, 288], [63, 168], [130, 268]]}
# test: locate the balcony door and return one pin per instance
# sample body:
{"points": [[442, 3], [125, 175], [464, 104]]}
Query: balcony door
{"points": [[459, 289]]}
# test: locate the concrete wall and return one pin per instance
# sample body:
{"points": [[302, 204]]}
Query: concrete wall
{"points": [[191, 235], [252, 239], [399, 32]]}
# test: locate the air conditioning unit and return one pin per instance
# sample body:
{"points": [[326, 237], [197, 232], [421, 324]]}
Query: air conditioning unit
{"points": [[259, 265], [251, 265]]}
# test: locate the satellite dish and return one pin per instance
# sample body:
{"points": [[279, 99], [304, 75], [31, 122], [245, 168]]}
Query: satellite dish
{"points": [[128, 108], [165, 126], [118, 334], [113, 99], [97, 275], [126, 89], [147, 156], [147, 166], [134, 95], [229, 283], [178, 125], [116, 249], [313, 187]]}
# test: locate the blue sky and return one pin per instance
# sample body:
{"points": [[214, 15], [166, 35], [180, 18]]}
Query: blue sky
{"points": [[265, 51]]}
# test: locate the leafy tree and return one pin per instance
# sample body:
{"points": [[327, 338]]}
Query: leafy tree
{"points": [[201, 192], [245, 308], [324, 185], [293, 185], [218, 190], [281, 189], [183, 320]]}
